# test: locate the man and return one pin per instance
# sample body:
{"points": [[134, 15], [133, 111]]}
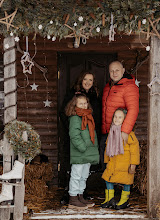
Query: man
{"points": [[120, 92]]}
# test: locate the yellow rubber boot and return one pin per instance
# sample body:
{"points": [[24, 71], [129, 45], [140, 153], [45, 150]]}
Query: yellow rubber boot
{"points": [[123, 203], [106, 197], [111, 201], [110, 194]]}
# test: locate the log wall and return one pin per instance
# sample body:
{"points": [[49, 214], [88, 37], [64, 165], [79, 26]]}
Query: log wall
{"points": [[44, 119], [1, 97]]}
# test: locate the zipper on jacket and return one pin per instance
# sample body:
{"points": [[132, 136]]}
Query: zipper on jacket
{"points": [[110, 177], [113, 168], [106, 103]]}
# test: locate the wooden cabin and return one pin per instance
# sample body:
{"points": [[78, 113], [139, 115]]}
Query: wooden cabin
{"points": [[63, 63]]}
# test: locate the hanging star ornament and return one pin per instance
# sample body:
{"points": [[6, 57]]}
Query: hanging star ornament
{"points": [[137, 82], [34, 86], [47, 103], [27, 63]]}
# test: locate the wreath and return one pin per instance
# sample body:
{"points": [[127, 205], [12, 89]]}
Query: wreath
{"points": [[27, 147]]}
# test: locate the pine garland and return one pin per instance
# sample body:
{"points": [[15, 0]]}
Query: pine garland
{"points": [[51, 15], [28, 149]]}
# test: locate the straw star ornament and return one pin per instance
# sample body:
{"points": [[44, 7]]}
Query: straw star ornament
{"points": [[27, 63], [7, 20]]}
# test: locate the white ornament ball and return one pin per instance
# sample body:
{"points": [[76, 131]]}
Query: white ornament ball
{"points": [[148, 48], [144, 21], [6, 46], [40, 27], [51, 22], [98, 29], [53, 38], [75, 24], [16, 39], [11, 34], [80, 18], [48, 37]]}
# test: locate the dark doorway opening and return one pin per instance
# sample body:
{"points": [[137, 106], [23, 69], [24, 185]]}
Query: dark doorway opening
{"points": [[70, 66]]}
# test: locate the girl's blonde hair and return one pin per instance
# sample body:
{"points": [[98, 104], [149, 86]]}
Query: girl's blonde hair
{"points": [[70, 108]]}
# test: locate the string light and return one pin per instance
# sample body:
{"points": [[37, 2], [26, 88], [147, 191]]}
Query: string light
{"points": [[40, 27], [53, 38], [148, 48]]}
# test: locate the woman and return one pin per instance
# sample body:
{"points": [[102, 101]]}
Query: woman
{"points": [[86, 84]]}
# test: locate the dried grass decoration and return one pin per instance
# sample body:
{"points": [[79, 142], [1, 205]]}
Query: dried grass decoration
{"points": [[24, 139]]}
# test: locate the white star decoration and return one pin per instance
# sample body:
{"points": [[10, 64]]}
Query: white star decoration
{"points": [[137, 82], [47, 103], [27, 63], [34, 86]]}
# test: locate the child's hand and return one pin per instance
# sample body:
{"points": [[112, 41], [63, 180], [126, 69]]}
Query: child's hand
{"points": [[132, 169]]}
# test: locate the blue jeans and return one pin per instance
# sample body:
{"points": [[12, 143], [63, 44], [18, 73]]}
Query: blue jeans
{"points": [[111, 186], [79, 175]]}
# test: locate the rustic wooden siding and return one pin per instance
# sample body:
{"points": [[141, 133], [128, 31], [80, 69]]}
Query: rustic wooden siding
{"points": [[1, 97], [44, 120]]}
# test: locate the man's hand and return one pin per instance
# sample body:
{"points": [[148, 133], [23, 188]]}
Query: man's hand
{"points": [[124, 137], [132, 169]]}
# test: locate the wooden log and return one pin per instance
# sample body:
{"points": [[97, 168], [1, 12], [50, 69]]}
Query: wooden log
{"points": [[154, 134], [9, 57], [10, 100], [7, 160], [10, 86], [10, 114], [10, 71], [10, 41]]}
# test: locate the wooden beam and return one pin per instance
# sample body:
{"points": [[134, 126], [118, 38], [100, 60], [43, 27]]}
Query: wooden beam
{"points": [[154, 133]]}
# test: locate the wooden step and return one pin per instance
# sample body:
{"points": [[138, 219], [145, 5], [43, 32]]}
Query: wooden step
{"points": [[91, 213]]}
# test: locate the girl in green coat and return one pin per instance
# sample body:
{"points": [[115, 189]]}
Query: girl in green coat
{"points": [[83, 148]]}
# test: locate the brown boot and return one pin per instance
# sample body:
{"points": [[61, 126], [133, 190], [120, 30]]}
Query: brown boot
{"points": [[85, 201], [74, 203]]}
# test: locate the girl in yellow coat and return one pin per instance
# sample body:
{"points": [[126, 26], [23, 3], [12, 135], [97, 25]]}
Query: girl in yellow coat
{"points": [[121, 162]]}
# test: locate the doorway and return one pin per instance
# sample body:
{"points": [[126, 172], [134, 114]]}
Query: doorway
{"points": [[70, 66]]}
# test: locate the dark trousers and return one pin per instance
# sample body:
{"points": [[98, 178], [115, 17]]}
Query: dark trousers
{"points": [[102, 149]]}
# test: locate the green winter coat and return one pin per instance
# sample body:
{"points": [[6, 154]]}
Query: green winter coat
{"points": [[82, 150]]}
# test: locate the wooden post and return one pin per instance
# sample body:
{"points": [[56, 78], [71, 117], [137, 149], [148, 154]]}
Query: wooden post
{"points": [[154, 131], [19, 196], [10, 111]]}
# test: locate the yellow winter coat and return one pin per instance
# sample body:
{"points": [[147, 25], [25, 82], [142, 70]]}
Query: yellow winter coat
{"points": [[117, 166]]}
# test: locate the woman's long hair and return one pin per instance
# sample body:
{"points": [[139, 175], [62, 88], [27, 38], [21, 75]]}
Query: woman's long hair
{"points": [[70, 108], [78, 85]]}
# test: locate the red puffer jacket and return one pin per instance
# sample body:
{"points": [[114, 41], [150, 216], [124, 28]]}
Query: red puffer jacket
{"points": [[124, 94]]}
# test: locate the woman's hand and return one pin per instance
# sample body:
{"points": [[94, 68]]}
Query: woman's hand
{"points": [[132, 169], [124, 137]]}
